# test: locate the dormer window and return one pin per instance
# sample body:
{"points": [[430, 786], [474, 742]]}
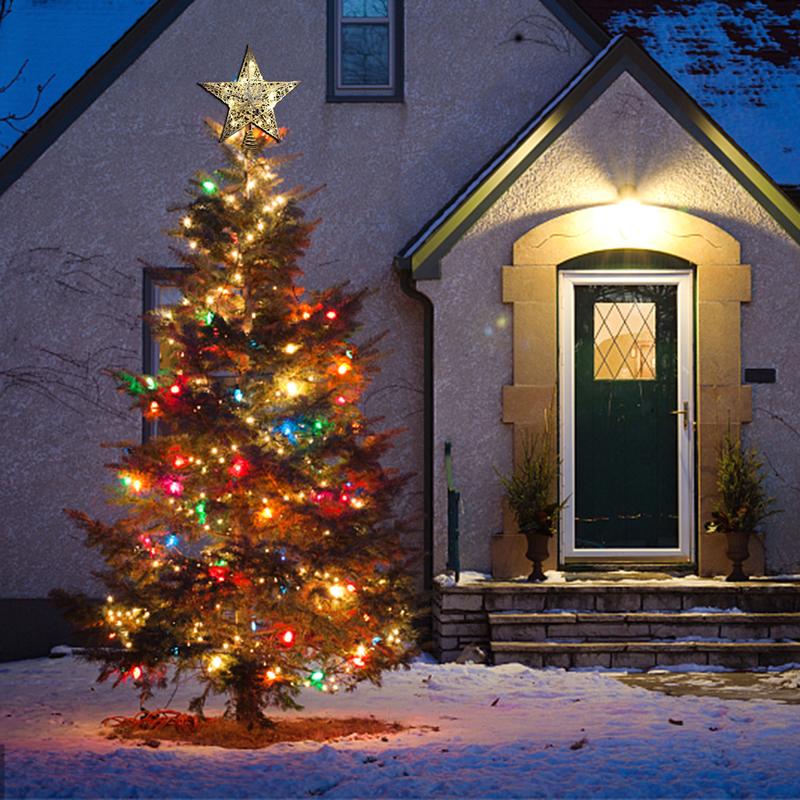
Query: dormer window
{"points": [[365, 50]]}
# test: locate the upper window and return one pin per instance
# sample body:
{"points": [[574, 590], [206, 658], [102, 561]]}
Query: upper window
{"points": [[365, 50]]}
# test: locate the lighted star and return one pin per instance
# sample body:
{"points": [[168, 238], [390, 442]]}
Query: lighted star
{"points": [[250, 99]]}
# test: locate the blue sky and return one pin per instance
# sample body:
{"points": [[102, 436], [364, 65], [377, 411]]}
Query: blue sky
{"points": [[62, 38]]}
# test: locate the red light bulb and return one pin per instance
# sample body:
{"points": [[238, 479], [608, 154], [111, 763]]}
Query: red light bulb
{"points": [[175, 389], [179, 461], [341, 400], [287, 637], [137, 673], [331, 314]]}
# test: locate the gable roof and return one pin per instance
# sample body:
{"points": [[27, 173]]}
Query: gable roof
{"points": [[422, 255], [94, 82], [49, 127], [579, 23]]}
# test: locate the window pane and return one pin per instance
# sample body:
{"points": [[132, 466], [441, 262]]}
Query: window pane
{"points": [[365, 55], [625, 341], [365, 8]]}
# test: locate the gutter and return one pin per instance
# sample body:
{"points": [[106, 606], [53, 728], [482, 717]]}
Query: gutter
{"points": [[408, 285]]}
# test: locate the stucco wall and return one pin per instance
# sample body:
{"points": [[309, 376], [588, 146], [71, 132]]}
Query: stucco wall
{"points": [[623, 138], [101, 191]]}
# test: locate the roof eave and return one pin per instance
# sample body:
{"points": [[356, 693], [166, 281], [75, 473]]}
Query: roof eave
{"points": [[423, 254], [49, 127]]}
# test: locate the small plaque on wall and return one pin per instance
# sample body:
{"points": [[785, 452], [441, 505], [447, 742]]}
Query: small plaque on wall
{"points": [[759, 375]]}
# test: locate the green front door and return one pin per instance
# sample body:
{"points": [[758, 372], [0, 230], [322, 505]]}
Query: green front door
{"points": [[626, 434]]}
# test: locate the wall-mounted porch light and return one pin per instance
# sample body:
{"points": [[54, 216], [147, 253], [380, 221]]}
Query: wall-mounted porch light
{"points": [[628, 221]]}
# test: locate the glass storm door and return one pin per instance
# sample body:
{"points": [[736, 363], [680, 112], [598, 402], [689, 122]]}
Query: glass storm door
{"points": [[629, 437]]}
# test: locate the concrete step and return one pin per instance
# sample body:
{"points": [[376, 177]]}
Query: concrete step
{"points": [[646, 655], [594, 626], [752, 596]]}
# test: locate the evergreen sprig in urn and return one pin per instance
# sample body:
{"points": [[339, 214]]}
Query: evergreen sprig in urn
{"points": [[743, 502], [529, 491]]}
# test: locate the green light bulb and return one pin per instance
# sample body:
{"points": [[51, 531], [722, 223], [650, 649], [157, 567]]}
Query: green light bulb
{"points": [[209, 187]]}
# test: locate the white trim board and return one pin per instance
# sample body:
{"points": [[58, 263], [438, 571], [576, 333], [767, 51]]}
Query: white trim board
{"points": [[684, 280]]}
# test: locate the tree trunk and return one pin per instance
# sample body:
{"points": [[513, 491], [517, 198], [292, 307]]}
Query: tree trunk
{"points": [[247, 695]]}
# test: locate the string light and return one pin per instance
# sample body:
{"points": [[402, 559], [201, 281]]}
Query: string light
{"points": [[287, 637]]}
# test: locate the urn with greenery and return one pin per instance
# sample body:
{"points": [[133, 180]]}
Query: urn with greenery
{"points": [[743, 502], [529, 490]]}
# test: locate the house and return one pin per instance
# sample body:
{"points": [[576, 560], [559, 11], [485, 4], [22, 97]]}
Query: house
{"points": [[553, 228]]}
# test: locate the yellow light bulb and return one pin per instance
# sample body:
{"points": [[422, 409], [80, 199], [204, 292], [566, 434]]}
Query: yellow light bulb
{"points": [[292, 389], [343, 368], [336, 591], [186, 222], [291, 349]]}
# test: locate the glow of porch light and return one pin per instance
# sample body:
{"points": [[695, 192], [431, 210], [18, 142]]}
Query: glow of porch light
{"points": [[628, 220]]}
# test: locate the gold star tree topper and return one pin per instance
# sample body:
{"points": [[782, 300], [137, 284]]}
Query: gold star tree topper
{"points": [[250, 99]]}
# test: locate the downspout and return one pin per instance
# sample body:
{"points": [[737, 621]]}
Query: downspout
{"points": [[408, 285]]}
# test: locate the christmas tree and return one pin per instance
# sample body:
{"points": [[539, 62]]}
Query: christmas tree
{"points": [[256, 548]]}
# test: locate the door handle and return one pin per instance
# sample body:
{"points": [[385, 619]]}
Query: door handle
{"points": [[684, 412]]}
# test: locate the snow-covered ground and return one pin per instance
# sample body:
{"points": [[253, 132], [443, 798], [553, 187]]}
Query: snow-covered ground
{"points": [[502, 731]]}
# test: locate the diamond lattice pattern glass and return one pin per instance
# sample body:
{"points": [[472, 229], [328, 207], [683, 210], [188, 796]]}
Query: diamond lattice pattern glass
{"points": [[624, 341]]}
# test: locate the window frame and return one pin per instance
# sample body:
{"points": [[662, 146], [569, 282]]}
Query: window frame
{"points": [[155, 279], [339, 93]]}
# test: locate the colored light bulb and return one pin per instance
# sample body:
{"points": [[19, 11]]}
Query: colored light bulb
{"points": [[291, 349], [172, 540], [292, 389], [137, 673], [174, 487], [238, 395], [179, 461], [287, 637], [336, 591], [209, 187], [331, 314], [341, 400], [343, 368], [175, 389]]}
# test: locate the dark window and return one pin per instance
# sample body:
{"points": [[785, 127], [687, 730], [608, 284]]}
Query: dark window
{"points": [[365, 50], [159, 291]]}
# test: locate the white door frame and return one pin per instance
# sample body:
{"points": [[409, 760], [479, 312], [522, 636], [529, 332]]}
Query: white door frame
{"points": [[683, 279]]}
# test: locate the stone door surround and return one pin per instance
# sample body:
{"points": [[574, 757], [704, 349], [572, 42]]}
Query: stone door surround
{"points": [[722, 285]]}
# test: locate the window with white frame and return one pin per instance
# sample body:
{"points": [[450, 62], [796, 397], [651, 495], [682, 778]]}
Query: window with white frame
{"points": [[365, 50]]}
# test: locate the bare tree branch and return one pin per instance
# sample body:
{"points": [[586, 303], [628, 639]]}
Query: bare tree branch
{"points": [[12, 119]]}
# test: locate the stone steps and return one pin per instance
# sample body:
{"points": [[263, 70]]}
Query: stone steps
{"points": [[594, 626], [626, 624], [753, 597], [646, 655]]}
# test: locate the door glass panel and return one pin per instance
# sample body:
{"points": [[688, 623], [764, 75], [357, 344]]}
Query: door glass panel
{"points": [[624, 341]]}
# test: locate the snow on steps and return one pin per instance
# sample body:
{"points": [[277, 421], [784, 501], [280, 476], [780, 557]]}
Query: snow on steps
{"points": [[633, 625]]}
